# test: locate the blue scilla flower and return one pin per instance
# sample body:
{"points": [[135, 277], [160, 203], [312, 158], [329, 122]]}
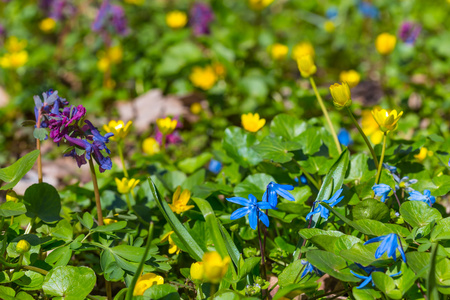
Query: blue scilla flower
{"points": [[368, 10], [270, 195], [382, 190], [404, 182], [303, 179], [310, 269], [252, 209], [368, 279], [389, 243], [215, 166], [391, 169], [426, 197], [322, 210], [331, 12], [344, 137]]}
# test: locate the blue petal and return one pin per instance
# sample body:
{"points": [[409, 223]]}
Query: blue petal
{"points": [[357, 275], [264, 197], [285, 194], [337, 201], [365, 282], [252, 199], [272, 198], [253, 219], [240, 201], [375, 239], [239, 213], [287, 187], [335, 196], [263, 218], [265, 205]]}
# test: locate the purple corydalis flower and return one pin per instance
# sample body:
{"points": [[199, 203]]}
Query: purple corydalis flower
{"points": [[99, 140], [409, 32], [201, 15], [59, 122], [110, 14]]}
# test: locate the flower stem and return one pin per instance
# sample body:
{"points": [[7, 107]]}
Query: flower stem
{"points": [[364, 136], [96, 193], [38, 147], [122, 160], [263, 261], [380, 165], [325, 114], [163, 143]]}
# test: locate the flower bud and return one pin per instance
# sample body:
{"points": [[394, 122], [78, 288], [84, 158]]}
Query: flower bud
{"points": [[306, 66], [341, 95], [385, 43], [11, 196], [23, 246], [197, 271]]}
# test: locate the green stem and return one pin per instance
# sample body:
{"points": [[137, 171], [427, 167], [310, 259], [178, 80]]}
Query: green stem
{"points": [[212, 290], [130, 208], [163, 143], [380, 165], [96, 193], [122, 160], [38, 147], [374, 156], [325, 114]]}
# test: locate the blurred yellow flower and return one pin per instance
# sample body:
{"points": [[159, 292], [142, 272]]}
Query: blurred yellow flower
{"points": [[204, 78], [11, 196], [119, 129], [306, 66], [176, 19], [103, 64], [341, 95], [385, 43], [180, 200], [126, 185], [329, 26], [150, 146], [166, 125], [370, 127], [145, 281], [219, 69], [252, 122], [351, 77], [197, 271], [135, 2], [423, 154], [13, 44], [23, 246], [108, 221], [387, 120], [302, 49], [172, 247], [279, 51], [14, 60], [115, 54], [47, 25], [259, 4], [214, 266], [196, 108]]}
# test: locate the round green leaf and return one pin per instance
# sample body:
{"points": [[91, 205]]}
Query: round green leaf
{"points": [[72, 283], [419, 214], [371, 209], [42, 200]]}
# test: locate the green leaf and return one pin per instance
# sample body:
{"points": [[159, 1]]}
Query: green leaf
{"points": [[40, 133], [87, 220], [30, 281], [59, 257], [371, 209], [322, 239], [254, 184], [345, 242], [231, 247], [386, 284], [10, 208], [110, 227], [418, 213], [189, 165], [309, 140], [193, 248], [293, 290], [365, 294], [274, 149], [441, 231], [42, 200], [331, 264], [132, 253], [432, 291], [162, 291], [286, 126], [247, 265], [17, 170], [63, 230], [72, 283], [238, 145], [290, 273]]}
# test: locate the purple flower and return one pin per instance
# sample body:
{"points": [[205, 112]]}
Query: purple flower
{"points": [[201, 15], [99, 140], [173, 138], [79, 158], [110, 17], [409, 32]]}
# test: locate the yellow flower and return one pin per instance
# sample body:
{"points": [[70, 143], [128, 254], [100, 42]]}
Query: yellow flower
{"points": [[341, 95], [115, 54], [172, 247], [103, 64], [176, 19], [196, 108], [219, 69], [423, 154], [135, 2], [23, 246], [47, 25], [302, 49], [329, 26], [351, 77], [180, 200], [150, 146], [214, 266], [204, 78], [387, 120], [145, 281], [14, 60], [370, 127], [197, 271], [252, 122], [385, 43], [306, 66], [279, 51], [166, 125], [119, 129], [126, 185], [11, 196], [259, 4], [108, 221], [13, 44]]}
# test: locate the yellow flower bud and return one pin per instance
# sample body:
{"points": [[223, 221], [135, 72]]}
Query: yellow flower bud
{"points": [[196, 108], [252, 122], [47, 25], [176, 19], [145, 281], [279, 51], [115, 54], [197, 271], [126, 185], [329, 26], [166, 125], [108, 221], [259, 4], [387, 120], [23, 246], [150, 146], [385, 43], [103, 64], [214, 266], [306, 66], [341, 95], [11, 196], [351, 77]]}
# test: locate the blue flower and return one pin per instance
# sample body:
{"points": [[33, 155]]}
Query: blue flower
{"points": [[405, 182], [389, 243], [426, 197], [270, 195], [252, 209], [368, 10], [99, 140], [344, 137], [309, 269], [215, 166], [382, 190], [368, 278], [303, 179], [322, 210], [391, 169], [331, 12]]}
